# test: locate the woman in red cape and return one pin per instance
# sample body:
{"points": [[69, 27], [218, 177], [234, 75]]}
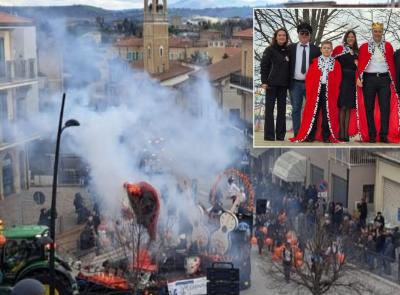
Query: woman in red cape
{"points": [[364, 59], [313, 86]]}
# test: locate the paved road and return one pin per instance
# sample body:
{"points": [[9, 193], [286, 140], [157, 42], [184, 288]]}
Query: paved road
{"points": [[264, 283]]}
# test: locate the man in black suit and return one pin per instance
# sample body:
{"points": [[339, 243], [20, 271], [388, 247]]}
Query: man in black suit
{"points": [[397, 65], [301, 55]]}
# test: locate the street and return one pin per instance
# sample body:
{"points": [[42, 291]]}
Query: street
{"points": [[264, 284]]}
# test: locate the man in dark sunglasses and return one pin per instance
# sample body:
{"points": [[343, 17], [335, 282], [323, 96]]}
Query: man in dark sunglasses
{"points": [[301, 55]]}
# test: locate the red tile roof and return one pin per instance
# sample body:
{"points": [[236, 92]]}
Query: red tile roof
{"points": [[175, 69], [244, 34], [179, 42], [174, 42], [223, 68], [231, 51], [129, 42], [8, 19]]}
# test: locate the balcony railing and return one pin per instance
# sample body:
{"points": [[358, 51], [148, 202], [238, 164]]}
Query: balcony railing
{"points": [[242, 81], [353, 157], [19, 69]]}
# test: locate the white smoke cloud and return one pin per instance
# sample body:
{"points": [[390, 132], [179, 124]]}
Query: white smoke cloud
{"points": [[116, 132]]}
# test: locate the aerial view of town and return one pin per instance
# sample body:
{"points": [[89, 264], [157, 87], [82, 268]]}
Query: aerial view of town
{"points": [[130, 159]]}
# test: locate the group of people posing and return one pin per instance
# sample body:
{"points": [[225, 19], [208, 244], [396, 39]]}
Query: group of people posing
{"points": [[348, 89]]}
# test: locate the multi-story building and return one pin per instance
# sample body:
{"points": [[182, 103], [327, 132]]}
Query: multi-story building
{"points": [[180, 48], [387, 186], [243, 81], [226, 97], [18, 99], [344, 175]]}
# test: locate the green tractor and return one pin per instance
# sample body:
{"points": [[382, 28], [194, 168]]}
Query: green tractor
{"points": [[24, 253]]}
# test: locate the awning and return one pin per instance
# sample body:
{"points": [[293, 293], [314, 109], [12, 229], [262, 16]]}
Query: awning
{"points": [[290, 167]]}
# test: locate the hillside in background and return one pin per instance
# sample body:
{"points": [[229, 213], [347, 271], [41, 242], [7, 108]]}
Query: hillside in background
{"points": [[90, 12]]}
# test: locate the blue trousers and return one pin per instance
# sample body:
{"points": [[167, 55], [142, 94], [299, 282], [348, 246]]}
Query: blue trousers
{"points": [[297, 94]]}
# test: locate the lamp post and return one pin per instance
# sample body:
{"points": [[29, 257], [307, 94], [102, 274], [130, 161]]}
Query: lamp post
{"points": [[69, 123]]}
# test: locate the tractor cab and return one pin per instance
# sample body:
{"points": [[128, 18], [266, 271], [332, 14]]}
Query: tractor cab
{"points": [[24, 253], [24, 245]]}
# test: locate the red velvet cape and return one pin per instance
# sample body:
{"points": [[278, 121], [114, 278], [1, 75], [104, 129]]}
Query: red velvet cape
{"points": [[353, 128], [313, 84], [363, 61]]}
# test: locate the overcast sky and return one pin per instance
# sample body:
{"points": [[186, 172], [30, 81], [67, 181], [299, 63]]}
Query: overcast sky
{"points": [[108, 4], [128, 4]]}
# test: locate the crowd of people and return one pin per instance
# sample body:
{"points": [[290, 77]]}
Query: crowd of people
{"points": [[91, 219], [355, 75], [289, 220]]}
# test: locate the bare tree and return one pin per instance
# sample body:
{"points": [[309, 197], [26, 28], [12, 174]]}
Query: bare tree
{"points": [[364, 18], [323, 267], [327, 24], [127, 262]]}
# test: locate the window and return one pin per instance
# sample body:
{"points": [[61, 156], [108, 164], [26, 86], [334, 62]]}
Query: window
{"points": [[234, 115], [8, 176], [221, 44], [368, 192], [149, 52], [21, 111], [161, 51], [339, 192], [317, 174], [2, 58], [3, 116]]}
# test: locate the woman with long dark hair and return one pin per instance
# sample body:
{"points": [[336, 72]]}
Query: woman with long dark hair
{"points": [[275, 80], [347, 55]]}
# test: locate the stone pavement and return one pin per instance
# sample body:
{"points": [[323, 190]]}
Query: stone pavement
{"points": [[259, 142], [262, 283], [21, 208]]}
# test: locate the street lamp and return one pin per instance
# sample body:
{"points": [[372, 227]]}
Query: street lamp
{"points": [[69, 123]]}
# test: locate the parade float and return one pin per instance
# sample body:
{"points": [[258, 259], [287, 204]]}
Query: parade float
{"points": [[144, 256]]}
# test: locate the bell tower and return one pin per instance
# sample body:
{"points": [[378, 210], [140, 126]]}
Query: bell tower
{"points": [[155, 36]]}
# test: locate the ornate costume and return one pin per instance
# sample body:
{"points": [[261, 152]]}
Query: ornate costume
{"points": [[317, 100], [367, 50]]}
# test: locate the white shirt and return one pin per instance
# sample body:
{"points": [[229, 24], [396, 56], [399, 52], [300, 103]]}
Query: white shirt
{"points": [[325, 70], [299, 57], [377, 63]]}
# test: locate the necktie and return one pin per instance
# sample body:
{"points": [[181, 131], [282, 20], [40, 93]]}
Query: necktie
{"points": [[303, 61]]}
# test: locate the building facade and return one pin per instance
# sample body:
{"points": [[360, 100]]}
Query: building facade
{"points": [[18, 99], [243, 82], [387, 186]]}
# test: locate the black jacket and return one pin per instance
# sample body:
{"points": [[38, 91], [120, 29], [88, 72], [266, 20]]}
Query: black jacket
{"points": [[275, 66], [363, 210], [313, 53], [397, 67]]}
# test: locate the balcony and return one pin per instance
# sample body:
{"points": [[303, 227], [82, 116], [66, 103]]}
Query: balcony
{"points": [[242, 82], [353, 157], [17, 70], [8, 133]]}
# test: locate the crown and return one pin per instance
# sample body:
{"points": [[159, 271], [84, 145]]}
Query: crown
{"points": [[377, 25]]}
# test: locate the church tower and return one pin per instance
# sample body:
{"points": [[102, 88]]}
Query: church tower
{"points": [[155, 36]]}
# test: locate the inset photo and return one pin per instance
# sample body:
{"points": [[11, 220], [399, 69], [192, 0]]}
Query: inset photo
{"points": [[326, 77]]}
